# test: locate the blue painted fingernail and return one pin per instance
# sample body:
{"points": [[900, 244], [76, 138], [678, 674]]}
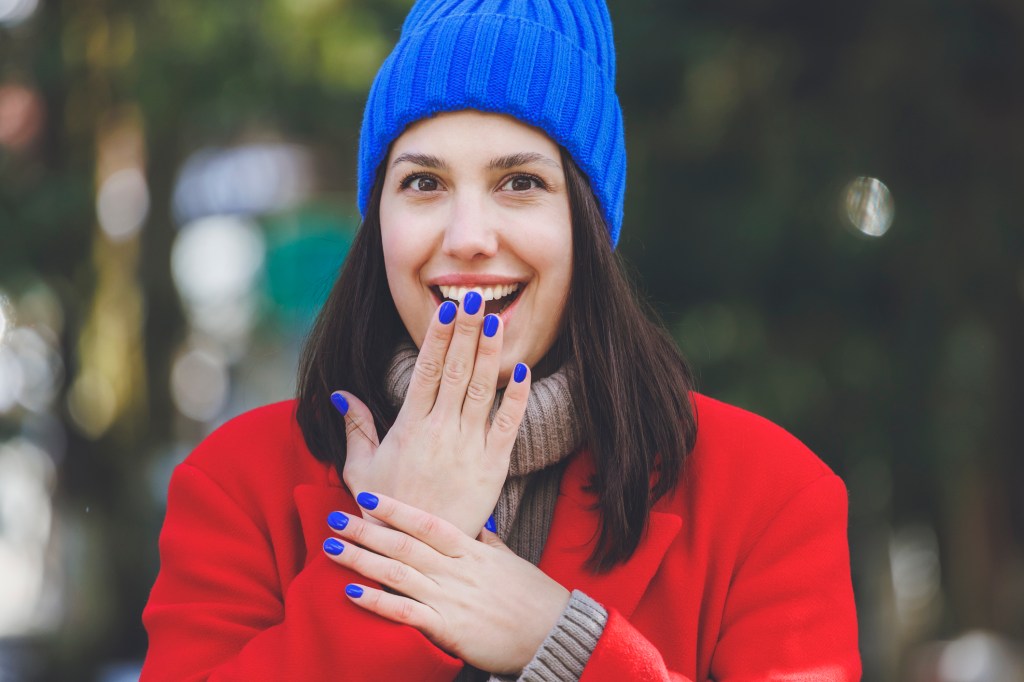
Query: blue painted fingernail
{"points": [[472, 302], [333, 547], [446, 313], [367, 500], [520, 373], [337, 520], [354, 591], [340, 403], [490, 325], [490, 525]]}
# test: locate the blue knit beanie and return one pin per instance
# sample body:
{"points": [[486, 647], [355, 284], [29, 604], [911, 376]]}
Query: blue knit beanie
{"points": [[549, 63]]}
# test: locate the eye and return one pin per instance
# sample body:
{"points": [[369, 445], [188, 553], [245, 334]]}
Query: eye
{"points": [[420, 183], [523, 183]]}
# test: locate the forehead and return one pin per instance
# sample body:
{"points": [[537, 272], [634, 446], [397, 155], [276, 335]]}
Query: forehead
{"points": [[471, 135]]}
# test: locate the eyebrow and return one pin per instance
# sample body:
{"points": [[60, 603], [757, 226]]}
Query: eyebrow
{"points": [[503, 162], [521, 159], [425, 160]]}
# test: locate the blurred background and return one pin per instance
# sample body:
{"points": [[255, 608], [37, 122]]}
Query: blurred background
{"points": [[825, 205]]}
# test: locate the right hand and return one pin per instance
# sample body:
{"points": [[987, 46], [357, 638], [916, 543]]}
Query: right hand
{"points": [[441, 455]]}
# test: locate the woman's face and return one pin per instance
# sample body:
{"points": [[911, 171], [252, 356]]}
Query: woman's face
{"points": [[478, 200]]}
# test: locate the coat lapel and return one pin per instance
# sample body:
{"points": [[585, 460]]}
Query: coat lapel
{"points": [[573, 535]]}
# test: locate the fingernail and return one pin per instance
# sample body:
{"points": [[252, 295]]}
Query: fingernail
{"points": [[472, 302], [340, 403], [446, 313], [354, 591], [520, 373], [367, 500], [490, 325], [337, 520], [333, 547], [490, 525]]}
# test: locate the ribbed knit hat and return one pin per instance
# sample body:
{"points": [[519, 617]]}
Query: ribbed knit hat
{"points": [[549, 63]]}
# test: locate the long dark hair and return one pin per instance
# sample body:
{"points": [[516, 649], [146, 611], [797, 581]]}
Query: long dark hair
{"points": [[636, 414]]}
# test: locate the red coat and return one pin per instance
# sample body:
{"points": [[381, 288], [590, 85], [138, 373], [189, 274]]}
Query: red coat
{"points": [[744, 573]]}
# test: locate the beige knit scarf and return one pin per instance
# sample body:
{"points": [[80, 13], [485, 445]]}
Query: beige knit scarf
{"points": [[548, 434]]}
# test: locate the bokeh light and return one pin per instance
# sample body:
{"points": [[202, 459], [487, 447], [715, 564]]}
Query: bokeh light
{"points": [[245, 180], [21, 115], [31, 370], [122, 203], [868, 206], [14, 12], [916, 576], [26, 480], [5, 316], [979, 656], [200, 383], [92, 403], [215, 262]]}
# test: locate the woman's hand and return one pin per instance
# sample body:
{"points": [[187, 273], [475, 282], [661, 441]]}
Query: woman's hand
{"points": [[441, 455], [473, 598]]}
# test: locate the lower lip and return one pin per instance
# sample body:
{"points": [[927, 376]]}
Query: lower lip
{"points": [[505, 314]]}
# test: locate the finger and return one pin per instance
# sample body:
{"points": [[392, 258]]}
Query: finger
{"points": [[489, 538], [429, 529], [426, 377], [505, 425], [360, 432], [458, 363], [384, 541], [386, 571], [484, 380], [396, 608]]}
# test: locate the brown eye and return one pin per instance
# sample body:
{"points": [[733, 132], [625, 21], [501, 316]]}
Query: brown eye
{"points": [[522, 183], [424, 184]]}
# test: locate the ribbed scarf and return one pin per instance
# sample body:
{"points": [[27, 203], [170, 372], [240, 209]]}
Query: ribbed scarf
{"points": [[548, 434]]}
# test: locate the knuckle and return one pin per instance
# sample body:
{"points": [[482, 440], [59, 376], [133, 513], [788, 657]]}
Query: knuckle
{"points": [[397, 574], [404, 610], [455, 369], [478, 391], [467, 327], [428, 368], [357, 531], [488, 350], [358, 561], [403, 547], [439, 332], [504, 422], [427, 526]]}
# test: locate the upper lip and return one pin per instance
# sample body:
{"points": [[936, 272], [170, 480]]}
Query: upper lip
{"points": [[468, 280]]}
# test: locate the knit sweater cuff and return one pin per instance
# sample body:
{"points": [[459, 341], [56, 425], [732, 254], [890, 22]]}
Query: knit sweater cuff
{"points": [[567, 648]]}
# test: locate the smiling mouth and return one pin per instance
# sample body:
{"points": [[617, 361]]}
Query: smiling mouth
{"points": [[497, 298]]}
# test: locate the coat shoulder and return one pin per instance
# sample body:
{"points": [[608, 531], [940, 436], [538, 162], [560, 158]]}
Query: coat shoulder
{"points": [[743, 465], [258, 450], [730, 438]]}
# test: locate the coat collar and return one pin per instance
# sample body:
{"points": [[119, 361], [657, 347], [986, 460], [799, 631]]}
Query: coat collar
{"points": [[573, 536]]}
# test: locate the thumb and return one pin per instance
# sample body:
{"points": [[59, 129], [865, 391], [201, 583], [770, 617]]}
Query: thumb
{"points": [[360, 431]]}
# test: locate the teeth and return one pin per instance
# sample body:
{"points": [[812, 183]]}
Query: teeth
{"points": [[492, 293]]}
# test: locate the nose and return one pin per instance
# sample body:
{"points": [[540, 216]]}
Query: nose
{"points": [[472, 231]]}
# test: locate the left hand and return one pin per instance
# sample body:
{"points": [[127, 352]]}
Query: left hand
{"points": [[475, 599]]}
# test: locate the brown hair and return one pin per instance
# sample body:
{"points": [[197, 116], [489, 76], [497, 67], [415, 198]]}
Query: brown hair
{"points": [[636, 413]]}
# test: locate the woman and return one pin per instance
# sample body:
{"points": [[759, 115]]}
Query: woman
{"points": [[629, 544]]}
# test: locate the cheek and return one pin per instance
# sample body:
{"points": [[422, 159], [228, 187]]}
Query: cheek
{"points": [[403, 262], [551, 255]]}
